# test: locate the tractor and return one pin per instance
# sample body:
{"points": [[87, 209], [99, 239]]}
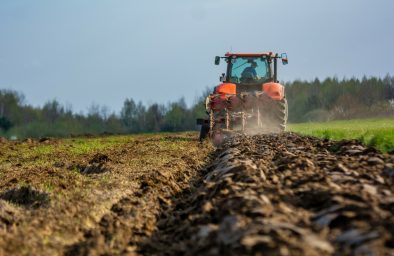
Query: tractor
{"points": [[249, 98]]}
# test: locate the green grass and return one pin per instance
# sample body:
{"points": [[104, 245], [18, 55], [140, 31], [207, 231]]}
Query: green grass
{"points": [[44, 155], [378, 133], [88, 145]]}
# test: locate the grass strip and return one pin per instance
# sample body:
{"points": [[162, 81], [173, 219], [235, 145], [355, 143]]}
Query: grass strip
{"points": [[378, 133]]}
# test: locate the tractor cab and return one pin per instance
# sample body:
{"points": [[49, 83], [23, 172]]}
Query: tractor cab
{"points": [[250, 71]]}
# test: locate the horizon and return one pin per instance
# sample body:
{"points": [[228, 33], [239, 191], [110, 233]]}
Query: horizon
{"points": [[84, 112]]}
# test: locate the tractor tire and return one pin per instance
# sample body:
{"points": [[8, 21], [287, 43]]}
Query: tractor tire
{"points": [[279, 114], [204, 132]]}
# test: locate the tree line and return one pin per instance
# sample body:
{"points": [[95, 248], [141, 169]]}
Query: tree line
{"points": [[316, 100], [21, 120], [333, 99]]}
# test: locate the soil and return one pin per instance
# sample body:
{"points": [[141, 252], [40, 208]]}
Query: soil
{"points": [[275, 194], [95, 201], [284, 195]]}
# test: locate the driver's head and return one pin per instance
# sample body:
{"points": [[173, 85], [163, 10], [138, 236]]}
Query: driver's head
{"points": [[253, 64]]}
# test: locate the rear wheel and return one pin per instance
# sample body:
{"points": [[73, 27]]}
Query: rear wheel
{"points": [[274, 115], [279, 113]]}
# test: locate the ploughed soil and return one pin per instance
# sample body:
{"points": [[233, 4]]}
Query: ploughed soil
{"points": [[91, 196], [274, 194]]}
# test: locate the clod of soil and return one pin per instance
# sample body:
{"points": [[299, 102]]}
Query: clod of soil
{"points": [[28, 140], [97, 164], [8, 215], [94, 168], [26, 196], [44, 140], [99, 158]]}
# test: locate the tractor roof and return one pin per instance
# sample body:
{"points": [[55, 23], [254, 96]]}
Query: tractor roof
{"points": [[261, 54]]}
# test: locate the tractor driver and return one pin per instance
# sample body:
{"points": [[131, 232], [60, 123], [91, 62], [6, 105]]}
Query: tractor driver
{"points": [[250, 73]]}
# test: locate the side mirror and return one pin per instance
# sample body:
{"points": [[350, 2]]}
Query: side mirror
{"points": [[217, 60], [283, 56]]}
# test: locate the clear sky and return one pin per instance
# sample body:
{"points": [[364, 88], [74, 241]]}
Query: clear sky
{"points": [[101, 51]]}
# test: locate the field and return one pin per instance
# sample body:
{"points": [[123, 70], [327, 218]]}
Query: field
{"points": [[169, 194], [55, 191], [377, 133]]}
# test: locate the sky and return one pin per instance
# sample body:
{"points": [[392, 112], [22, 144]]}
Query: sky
{"points": [[84, 52]]}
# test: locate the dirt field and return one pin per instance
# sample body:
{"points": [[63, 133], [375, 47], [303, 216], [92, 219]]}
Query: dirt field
{"points": [[170, 195]]}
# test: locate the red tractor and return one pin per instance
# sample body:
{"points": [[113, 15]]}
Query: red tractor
{"points": [[249, 99]]}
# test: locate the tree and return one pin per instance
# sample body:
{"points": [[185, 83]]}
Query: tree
{"points": [[176, 117], [52, 110], [129, 114], [154, 118]]}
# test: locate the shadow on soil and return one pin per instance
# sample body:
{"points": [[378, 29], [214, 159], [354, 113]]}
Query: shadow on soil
{"points": [[26, 196]]}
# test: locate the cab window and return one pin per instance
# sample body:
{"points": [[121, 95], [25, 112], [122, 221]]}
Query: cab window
{"points": [[249, 70]]}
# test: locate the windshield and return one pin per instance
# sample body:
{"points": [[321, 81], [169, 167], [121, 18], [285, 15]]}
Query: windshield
{"points": [[249, 70]]}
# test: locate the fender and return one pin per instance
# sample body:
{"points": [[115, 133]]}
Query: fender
{"points": [[226, 88], [222, 97], [275, 91]]}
